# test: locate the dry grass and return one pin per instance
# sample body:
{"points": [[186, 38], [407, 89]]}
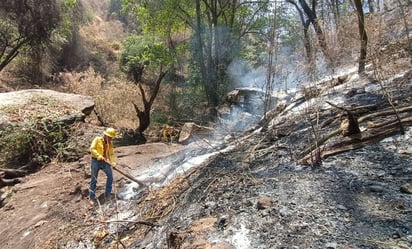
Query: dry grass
{"points": [[113, 98], [381, 28]]}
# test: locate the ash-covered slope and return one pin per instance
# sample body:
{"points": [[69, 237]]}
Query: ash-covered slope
{"points": [[356, 193]]}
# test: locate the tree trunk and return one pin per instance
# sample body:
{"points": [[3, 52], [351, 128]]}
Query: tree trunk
{"points": [[13, 173], [204, 56], [305, 25], [311, 14], [144, 115], [371, 5], [11, 55], [200, 46], [363, 37], [336, 13]]}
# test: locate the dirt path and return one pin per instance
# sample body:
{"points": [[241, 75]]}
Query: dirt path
{"points": [[55, 198]]}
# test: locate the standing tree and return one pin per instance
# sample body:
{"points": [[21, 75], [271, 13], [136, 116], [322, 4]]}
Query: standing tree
{"points": [[305, 25], [25, 23], [311, 18], [217, 29], [145, 54], [362, 35], [220, 28]]}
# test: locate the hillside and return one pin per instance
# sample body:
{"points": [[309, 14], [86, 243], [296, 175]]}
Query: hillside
{"points": [[298, 180], [256, 193]]}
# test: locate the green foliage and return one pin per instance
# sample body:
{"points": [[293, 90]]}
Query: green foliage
{"points": [[25, 24], [98, 61], [36, 140], [158, 117], [37, 135], [115, 45], [142, 52], [116, 9], [160, 17], [190, 105], [68, 10]]}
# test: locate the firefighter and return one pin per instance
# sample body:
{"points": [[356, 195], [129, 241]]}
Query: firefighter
{"points": [[103, 158]]}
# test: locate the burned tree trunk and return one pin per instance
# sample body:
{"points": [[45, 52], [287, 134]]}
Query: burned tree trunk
{"points": [[13, 173], [351, 143], [349, 125], [144, 115], [175, 239], [10, 177], [362, 35]]}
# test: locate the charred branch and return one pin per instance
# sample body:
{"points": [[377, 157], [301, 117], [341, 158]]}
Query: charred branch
{"points": [[351, 143], [9, 182], [360, 109], [349, 125], [13, 173]]}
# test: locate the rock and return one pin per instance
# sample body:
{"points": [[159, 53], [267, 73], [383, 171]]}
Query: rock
{"points": [[39, 223], [19, 105], [341, 207], [210, 204], [264, 203], [243, 108], [406, 188], [342, 78]]}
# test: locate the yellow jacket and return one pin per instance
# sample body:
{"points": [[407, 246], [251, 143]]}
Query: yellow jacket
{"points": [[97, 150]]}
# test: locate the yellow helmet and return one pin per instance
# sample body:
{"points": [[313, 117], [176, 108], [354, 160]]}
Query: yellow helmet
{"points": [[110, 132]]}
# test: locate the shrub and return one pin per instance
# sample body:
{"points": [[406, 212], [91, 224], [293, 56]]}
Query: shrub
{"points": [[38, 140]]}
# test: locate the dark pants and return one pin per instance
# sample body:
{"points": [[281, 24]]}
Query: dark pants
{"points": [[97, 165]]}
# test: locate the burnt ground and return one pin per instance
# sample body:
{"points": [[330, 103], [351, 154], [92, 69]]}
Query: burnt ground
{"points": [[259, 195], [260, 192], [255, 194], [353, 201]]}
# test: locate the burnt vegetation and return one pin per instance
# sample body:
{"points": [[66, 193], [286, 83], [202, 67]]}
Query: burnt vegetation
{"points": [[312, 171]]}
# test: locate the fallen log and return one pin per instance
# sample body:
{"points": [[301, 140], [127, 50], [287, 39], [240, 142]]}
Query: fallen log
{"points": [[350, 125], [354, 142], [13, 173], [384, 113], [357, 111], [32, 166], [2, 199], [331, 134], [9, 182]]}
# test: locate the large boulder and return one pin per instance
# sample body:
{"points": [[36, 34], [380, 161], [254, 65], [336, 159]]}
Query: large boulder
{"points": [[20, 106]]}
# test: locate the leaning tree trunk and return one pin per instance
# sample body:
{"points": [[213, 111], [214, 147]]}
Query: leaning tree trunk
{"points": [[363, 36], [312, 17], [144, 115], [305, 25]]}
